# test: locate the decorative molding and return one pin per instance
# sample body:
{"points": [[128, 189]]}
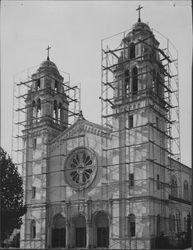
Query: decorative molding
{"points": [[78, 129]]}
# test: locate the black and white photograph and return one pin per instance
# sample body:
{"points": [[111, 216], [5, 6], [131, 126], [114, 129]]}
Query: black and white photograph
{"points": [[96, 125]]}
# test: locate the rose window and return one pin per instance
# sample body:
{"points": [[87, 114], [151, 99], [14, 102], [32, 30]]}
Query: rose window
{"points": [[81, 168]]}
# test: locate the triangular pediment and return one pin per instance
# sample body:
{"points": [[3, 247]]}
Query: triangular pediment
{"points": [[79, 128]]}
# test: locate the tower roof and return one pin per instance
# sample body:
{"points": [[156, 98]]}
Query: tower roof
{"points": [[140, 26], [48, 66], [137, 29]]}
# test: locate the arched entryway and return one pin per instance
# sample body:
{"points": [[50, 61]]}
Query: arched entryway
{"points": [[80, 231], [101, 230], [59, 231]]}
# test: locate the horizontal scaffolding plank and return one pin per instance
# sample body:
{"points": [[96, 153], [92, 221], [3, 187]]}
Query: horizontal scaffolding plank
{"points": [[132, 110], [107, 100], [109, 84], [52, 91], [163, 69], [66, 84], [152, 46], [119, 63], [141, 126], [139, 144], [112, 52], [142, 94], [122, 48]]}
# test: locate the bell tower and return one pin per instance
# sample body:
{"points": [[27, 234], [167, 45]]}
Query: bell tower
{"points": [[136, 107], [47, 101], [141, 121], [47, 116]]}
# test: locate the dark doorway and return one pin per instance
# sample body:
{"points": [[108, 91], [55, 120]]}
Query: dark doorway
{"points": [[59, 231], [80, 231], [81, 237], [59, 237], [102, 237], [131, 224]]}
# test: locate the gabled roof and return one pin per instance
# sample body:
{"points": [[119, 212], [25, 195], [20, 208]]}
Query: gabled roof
{"points": [[178, 164], [81, 126]]}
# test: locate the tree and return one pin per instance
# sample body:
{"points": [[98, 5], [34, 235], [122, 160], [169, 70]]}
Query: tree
{"points": [[184, 238], [188, 232], [11, 196]]}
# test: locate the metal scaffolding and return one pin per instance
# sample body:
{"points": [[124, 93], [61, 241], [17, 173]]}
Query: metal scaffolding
{"points": [[140, 135], [22, 89], [119, 104], [25, 124]]}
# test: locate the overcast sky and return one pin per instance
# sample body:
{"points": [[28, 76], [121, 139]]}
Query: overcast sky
{"points": [[74, 30]]}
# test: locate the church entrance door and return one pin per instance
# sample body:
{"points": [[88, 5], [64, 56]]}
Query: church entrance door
{"points": [[102, 237], [81, 237], [59, 237], [59, 231], [101, 231], [80, 231]]}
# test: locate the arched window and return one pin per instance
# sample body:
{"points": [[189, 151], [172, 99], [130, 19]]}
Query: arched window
{"points": [[134, 80], [131, 179], [185, 224], [127, 81], [157, 83], [158, 182], [38, 84], [178, 222], [131, 224], [101, 223], [33, 229], [59, 113], [174, 186], [189, 222], [55, 112], [186, 194], [33, 192], [130, 121], [34, 112], [158, 225], [154, 83], [38, 109], [34, 143], [56, 86], [59, 231], [174, 223], [170, 222], [80, 231], [132, 50]]}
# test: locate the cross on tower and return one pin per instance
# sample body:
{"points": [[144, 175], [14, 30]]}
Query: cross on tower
{"points": [[138, 9], [48, 48]]}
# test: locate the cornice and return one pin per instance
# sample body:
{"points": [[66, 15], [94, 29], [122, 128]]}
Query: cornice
{"points": [[78, 129]]}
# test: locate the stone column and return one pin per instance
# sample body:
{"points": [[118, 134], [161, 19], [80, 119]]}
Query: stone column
{"points": [[88, 234], [67, 233], [110, 221], [68, 224]]}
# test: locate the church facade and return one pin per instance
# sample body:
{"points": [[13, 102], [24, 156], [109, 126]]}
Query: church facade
{"points": [[114, 185]]}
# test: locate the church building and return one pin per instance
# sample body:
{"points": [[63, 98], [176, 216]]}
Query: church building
{"points": [[115, 185]]}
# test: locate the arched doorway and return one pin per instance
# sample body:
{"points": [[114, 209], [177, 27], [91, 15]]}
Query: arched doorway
{"points": [[101, 224], [80, 231], [131, 225], [59, 231]]}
